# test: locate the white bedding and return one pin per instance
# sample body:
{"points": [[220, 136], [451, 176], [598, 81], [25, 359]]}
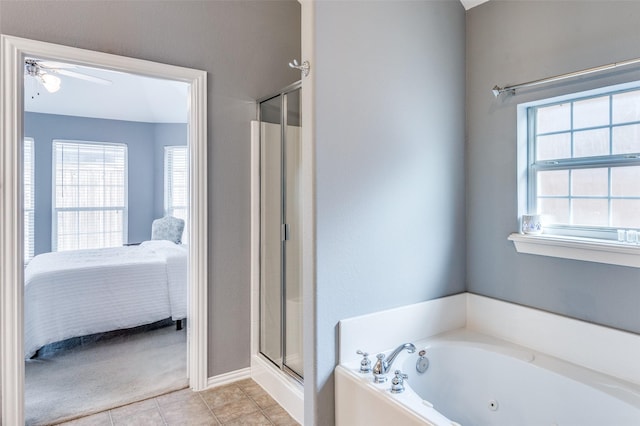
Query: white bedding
{"points": [[75, 293]]}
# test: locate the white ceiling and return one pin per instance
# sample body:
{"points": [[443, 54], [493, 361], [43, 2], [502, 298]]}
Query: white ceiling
{"points": [[129, 97], [468, 4]]}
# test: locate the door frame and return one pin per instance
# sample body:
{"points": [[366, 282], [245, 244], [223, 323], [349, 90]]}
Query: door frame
{"points": [[13, 50]]}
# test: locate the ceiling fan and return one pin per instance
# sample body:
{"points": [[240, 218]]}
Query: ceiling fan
{"points": [[45, 72]]}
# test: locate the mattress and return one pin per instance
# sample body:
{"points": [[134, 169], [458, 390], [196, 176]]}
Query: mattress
{"points": [[76, 293]]}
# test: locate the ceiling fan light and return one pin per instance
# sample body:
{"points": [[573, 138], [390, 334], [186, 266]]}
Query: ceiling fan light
{"points": [[50, 82]]}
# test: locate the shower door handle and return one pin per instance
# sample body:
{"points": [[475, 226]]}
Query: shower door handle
{"points": [[285, 231]]}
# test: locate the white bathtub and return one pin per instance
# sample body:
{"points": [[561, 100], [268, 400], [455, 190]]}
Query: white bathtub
{"points": [[474, 379]]}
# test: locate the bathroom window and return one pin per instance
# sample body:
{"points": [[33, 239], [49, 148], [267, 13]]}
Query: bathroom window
{"points": [[583, 163]]}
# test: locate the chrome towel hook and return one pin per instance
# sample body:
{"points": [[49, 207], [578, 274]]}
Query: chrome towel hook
{"points": [[304, 68]]}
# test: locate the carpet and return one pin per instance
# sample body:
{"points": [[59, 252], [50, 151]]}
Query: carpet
{"points": [[104, 373]]}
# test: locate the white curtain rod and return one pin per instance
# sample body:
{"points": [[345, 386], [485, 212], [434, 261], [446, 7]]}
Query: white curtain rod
{"points": [[497, 91]]}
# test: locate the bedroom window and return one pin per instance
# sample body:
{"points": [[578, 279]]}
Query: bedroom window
{"points": [[29, 202], [89, 195], [176, 183], [583, 168]]}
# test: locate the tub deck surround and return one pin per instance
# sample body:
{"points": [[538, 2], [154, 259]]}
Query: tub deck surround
{"points": [[385, 330], [607, 350], [604, 358], [360, 401]]}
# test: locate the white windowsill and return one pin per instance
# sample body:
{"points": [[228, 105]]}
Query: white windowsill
{"points": [[588, 250]]}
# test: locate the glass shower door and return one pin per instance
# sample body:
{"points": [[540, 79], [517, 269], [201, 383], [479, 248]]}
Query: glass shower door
{"points": [[281, 232], [293, 243], [271, 256]]}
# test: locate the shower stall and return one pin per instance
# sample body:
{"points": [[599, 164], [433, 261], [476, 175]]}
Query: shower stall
{"points": [[280, 300]]}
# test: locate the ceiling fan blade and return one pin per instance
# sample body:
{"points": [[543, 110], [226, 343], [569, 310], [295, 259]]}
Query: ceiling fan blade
{"points": [[81, 76]]}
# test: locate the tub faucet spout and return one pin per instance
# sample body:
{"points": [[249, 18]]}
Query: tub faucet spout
{"points": [[384, 365]]}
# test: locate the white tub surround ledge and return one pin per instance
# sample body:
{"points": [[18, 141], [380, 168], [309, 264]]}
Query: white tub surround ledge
{"points": [[603, 349], [585, 249], [385, 330], [359, 401]]}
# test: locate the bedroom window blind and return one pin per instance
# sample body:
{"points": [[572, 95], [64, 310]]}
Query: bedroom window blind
{"points": [[176, 194], [89, 195], [29, 202]]}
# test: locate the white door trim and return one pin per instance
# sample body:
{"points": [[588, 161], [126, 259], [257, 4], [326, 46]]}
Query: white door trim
{"points": [[13, 50]]}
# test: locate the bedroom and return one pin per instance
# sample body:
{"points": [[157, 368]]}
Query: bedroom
{"points": [[101, 171]]}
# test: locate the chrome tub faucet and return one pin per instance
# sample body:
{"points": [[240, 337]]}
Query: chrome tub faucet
{"points": [[383, 365]]}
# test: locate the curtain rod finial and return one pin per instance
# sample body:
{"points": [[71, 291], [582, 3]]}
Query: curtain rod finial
{"points": [[496, 91]]}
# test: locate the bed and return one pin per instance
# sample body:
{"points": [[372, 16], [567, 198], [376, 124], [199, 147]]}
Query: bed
{"points": [[76, 293]]}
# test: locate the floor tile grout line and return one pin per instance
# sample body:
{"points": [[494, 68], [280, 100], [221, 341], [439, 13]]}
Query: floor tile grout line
{"points": [[160, 412], [209, 408], [258, 405], [262, 409], [247, 396]]}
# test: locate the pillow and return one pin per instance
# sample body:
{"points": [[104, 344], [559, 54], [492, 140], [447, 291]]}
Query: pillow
{"points": [[167, 228]]}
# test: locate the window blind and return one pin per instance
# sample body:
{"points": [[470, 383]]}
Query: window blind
{"points": [[176, 191], [90, 195], [29, 201]]}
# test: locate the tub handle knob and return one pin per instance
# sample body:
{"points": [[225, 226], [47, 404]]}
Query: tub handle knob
{"points": [[397, 383], [378, 370], [365, 363]]}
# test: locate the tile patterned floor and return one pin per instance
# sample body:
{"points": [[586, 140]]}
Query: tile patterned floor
{"points": [[239, 403]]}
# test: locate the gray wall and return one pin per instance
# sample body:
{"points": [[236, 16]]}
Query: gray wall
{"points": [[389, 144], [513, 42], [145, 143], [245, 47]]}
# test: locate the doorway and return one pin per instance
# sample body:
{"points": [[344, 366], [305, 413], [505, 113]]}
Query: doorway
{"points": [[13, 53], [280, 302]]}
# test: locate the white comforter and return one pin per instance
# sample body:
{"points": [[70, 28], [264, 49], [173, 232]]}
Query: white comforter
{"points": [[75, 293]]}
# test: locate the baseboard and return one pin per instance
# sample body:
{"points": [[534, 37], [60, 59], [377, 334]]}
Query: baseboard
{"points": [[285, 390], [230, 377]]}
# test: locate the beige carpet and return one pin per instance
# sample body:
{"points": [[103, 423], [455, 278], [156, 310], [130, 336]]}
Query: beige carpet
{"points": [[104, 374]]}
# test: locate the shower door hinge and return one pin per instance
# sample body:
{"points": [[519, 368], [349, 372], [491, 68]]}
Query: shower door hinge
{"points": [[285, 231]]}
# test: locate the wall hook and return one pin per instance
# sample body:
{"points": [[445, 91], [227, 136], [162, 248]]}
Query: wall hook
{"points": [[304, 68]]}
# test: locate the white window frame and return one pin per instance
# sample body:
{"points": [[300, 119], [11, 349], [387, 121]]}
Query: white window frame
{"points": [[29, 210], [124, 209], [593, 244], [169, 206]]}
